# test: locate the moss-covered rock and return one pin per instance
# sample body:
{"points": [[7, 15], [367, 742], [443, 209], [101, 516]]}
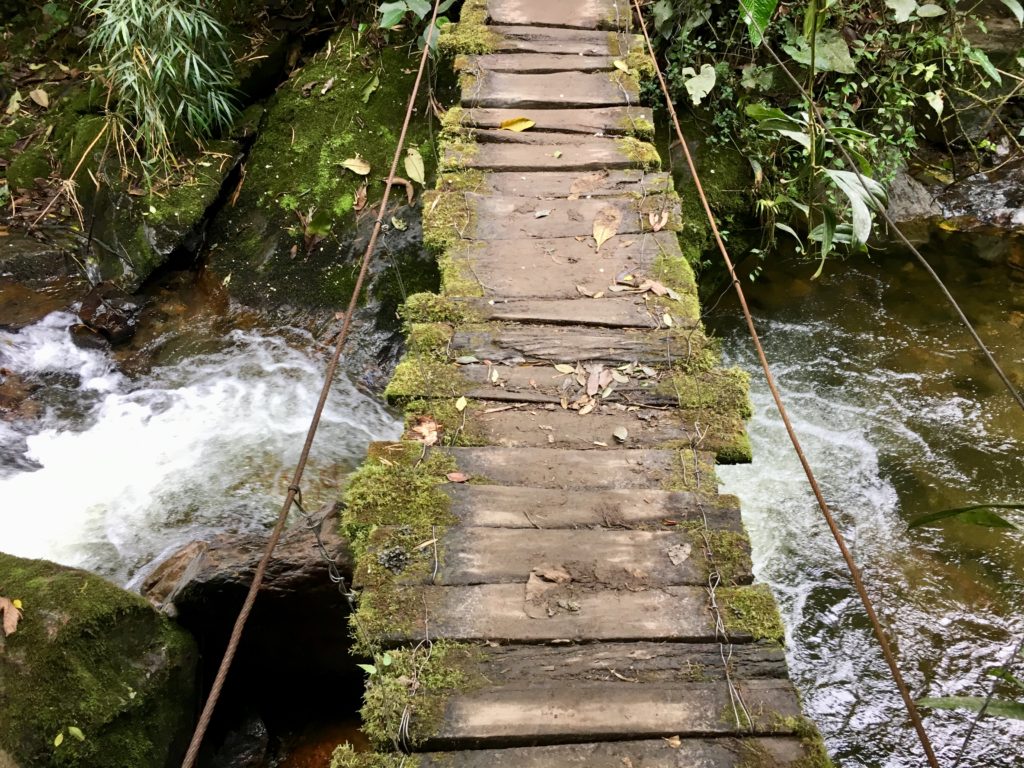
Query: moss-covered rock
{"points": [[94, 668], [294, 236], [27, 166]]}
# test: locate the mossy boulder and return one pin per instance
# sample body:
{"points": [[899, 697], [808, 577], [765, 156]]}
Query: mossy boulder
{"points": [[298, 228], [93, 676]]}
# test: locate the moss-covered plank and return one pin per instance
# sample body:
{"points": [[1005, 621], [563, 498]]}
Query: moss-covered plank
{"points": [[536, 63], [578, 42], [480, 504], [589, 154], [601, 183], [505, 90], [584, 14]]}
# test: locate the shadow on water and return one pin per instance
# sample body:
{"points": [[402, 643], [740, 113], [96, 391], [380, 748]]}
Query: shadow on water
{"points": [[899, 416]]}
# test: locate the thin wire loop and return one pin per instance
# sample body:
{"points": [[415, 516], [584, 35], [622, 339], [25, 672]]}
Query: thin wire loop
{"points": [[293, 489], [855, 574]]}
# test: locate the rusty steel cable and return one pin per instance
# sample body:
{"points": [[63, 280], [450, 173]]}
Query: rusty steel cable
{"points": [[293, 489], [851, 565]]}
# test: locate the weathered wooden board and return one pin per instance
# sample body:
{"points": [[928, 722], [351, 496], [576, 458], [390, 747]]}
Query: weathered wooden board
{"points": [[588, 154], [580, 14], [614, 311], [539, 63], [722, 752], [610, 121], [569, 344], [572, 469], [504, 90], [547, 184], [530, 38], [552, 268], [554, 508]]}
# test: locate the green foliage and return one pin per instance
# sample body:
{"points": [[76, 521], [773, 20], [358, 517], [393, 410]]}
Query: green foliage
{"points": [[976, 514], [168, 67], [393, 14], [883, 73]]}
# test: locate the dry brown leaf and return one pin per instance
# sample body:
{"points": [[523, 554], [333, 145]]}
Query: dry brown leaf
{"points": [[360, 201], [11, 613], [674, 741], [425, 430], [584, 291], [594, 382], [606, 224], [357, 165], [658, 221], [584, 185], [586, 409], [457, 477], [40, 97]]}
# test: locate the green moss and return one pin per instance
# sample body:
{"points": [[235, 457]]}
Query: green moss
{"points": [[751, 610], [419, 376], [737, 451], [421, 680], [459, 428], [429, 339], [629, 82], [691, 472], [471, 34], [638, 127], [725, 552], [90, 655], [642, 153], [447, 217], [754, 755], [463, 180], [725, 391], [27, 166], [433, 308], [457, 275], [345, 756]]}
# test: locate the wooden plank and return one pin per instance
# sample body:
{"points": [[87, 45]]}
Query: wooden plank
{"points": [[601, 183], [504, 90], [589, 154], [578, 42], [522, 425], [580, 14], [517, 218], [551, 268], [515, 344], [613, 311], [554, 508], [634, 558], [611, 121], [514, 716], [539, 63], [722, 752], [554, 612], [572, 469]]}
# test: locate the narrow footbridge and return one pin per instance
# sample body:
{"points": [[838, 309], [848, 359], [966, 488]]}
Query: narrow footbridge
{"points": [[547, 573]]}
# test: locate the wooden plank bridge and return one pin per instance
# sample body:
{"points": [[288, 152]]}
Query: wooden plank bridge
{"points": [[547, 573]]}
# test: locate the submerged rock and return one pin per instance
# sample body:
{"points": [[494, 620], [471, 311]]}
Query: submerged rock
{"points": [[93, 677], [111, 312]]}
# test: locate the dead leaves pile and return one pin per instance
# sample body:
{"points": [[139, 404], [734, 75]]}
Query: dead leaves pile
{"points": [[10, 610], [584, 387]]}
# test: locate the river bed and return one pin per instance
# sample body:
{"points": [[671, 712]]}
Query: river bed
{"points": [[899, 416]]}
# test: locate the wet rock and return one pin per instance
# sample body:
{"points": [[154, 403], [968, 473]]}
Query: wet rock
{"points": [[912, 206], [110, 312], [90, 655], [244, 747], [39, 265], [85, 337], [16, 402]]}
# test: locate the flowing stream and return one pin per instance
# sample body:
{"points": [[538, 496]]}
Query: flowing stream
{"points": [[121, 468], [898, 415]]}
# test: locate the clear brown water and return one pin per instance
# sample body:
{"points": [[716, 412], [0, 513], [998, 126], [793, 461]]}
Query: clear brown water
{"points": [[899, 416]]}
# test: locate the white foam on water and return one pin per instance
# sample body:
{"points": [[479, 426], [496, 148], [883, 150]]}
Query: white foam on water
{"points": [[201, 446]]}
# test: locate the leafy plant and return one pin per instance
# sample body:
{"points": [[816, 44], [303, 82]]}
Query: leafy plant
{"points": [[976, 514], [167, 66], [997, 707], [393, 14]]}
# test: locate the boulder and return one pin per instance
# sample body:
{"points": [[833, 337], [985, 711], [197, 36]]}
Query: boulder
{"points": [[111, 312], [92, 657]]}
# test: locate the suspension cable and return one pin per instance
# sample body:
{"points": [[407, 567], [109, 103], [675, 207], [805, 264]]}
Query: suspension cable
{"points": [[293, 489], [851, 565]]}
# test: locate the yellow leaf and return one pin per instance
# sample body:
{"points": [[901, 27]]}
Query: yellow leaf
{"points": [[606, 224], [517, 124], [667, 319], [564, 369], [16, 604], [461, 403], [414, 166], [75, 731], [357, 165], [621, 65], [40, 97], [59, 740]]}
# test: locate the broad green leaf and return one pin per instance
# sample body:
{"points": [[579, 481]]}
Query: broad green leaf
{"points": [[699, 85], [386, 660], [59, 739], [831, 53], [762, 112], [461, 403], [976, 514], [368, 668], [861, 200], [421, 8], [663, 14], [391, 14], [757, 14], [369, 88], [1016, 9], [903, 9], [1006, 676], [790, 231], [934, 99], [75, 731], [930, 11], [414, 166], [981, 58], [996, 707]]}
